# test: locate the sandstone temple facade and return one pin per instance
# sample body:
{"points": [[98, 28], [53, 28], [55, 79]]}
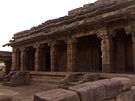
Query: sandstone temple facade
{"points": [[98, 37]]}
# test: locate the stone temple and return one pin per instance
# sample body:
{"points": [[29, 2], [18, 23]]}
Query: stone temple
{"points": [[98, 37], [82, 56]]}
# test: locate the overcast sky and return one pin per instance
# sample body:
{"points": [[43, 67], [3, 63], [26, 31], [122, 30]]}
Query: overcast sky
{"points": [[19, 15]]}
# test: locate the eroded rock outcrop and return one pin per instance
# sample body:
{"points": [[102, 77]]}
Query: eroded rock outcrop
{"points": [[116, 89]]}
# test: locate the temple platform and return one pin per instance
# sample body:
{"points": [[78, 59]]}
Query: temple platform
{"points": [[63, 74]]}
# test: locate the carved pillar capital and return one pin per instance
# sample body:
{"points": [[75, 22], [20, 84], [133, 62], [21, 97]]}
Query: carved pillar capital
{"points": [[36, 46], [14, 50], [71, 41], [52, 43], [23, 50], [106, 34], [130, 29]]}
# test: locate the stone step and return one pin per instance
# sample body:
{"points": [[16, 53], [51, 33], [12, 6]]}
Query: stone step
{"points": [[7, 84]]}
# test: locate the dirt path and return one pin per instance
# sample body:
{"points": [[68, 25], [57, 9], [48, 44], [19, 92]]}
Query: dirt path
{"points": [[25, 93]]}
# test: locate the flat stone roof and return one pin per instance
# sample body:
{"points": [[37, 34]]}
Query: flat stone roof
{"points": [[97, 14]]}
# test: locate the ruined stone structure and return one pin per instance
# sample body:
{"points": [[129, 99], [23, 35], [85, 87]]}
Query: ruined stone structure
{"points": [[115, 89], [98, 37], [6, 57]]}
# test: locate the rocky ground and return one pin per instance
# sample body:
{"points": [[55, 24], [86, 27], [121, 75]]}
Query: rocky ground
{"points": [[25, 93]]}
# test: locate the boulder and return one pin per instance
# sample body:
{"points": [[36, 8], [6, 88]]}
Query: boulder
{"points": [[90, 77], [113, 87], [126, 96], [90, 91], [127, 83], [69, 78], [57, 95]]}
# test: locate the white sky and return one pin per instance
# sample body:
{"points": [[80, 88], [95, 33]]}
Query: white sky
{"points": [[19, 15]]}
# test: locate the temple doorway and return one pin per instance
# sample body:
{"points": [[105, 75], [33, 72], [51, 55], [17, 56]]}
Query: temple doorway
{"points": [[45, 58], [123, 52], [89, 54], [61, 56], [30, 62]]}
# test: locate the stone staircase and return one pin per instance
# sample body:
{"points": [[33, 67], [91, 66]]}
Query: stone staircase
{"points": [[14, 79]]}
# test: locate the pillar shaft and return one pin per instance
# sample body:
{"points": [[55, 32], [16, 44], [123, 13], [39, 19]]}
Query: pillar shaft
{"points": [[133, 40], [23, 59], [53, 57], [106, 48], [71, 55], [14, 59], [37, 59]]}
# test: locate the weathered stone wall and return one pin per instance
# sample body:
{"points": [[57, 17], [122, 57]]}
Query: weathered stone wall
{"points": [[116, 89]]}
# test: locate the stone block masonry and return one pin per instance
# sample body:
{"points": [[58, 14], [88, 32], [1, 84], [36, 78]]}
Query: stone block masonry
{"points": [[106, 27], [115, 89]]}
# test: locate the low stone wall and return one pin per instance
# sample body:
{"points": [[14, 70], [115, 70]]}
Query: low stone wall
{"points": [[115, 89]]}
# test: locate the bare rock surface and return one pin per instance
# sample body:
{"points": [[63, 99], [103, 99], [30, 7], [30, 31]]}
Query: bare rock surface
{"points": [[127, 83], [126, 96], [57, 95], [5, 98], [113, 87], [90, 91], [90, 77], [25, 93]]}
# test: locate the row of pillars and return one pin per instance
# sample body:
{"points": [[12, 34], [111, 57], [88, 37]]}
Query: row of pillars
{"points": [[106, 49]]}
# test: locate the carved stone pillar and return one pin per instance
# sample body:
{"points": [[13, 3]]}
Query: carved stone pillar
{"points": [[13, 60], [53, 52], [23, 59], [71, 55], [37, 58], [133, 40], [107, 53]]}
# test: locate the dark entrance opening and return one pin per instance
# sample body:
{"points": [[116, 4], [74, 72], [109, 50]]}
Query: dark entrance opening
{"points": [[61, 56], [30, 62], [45, 58], [89, 54], [123, 52]]}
